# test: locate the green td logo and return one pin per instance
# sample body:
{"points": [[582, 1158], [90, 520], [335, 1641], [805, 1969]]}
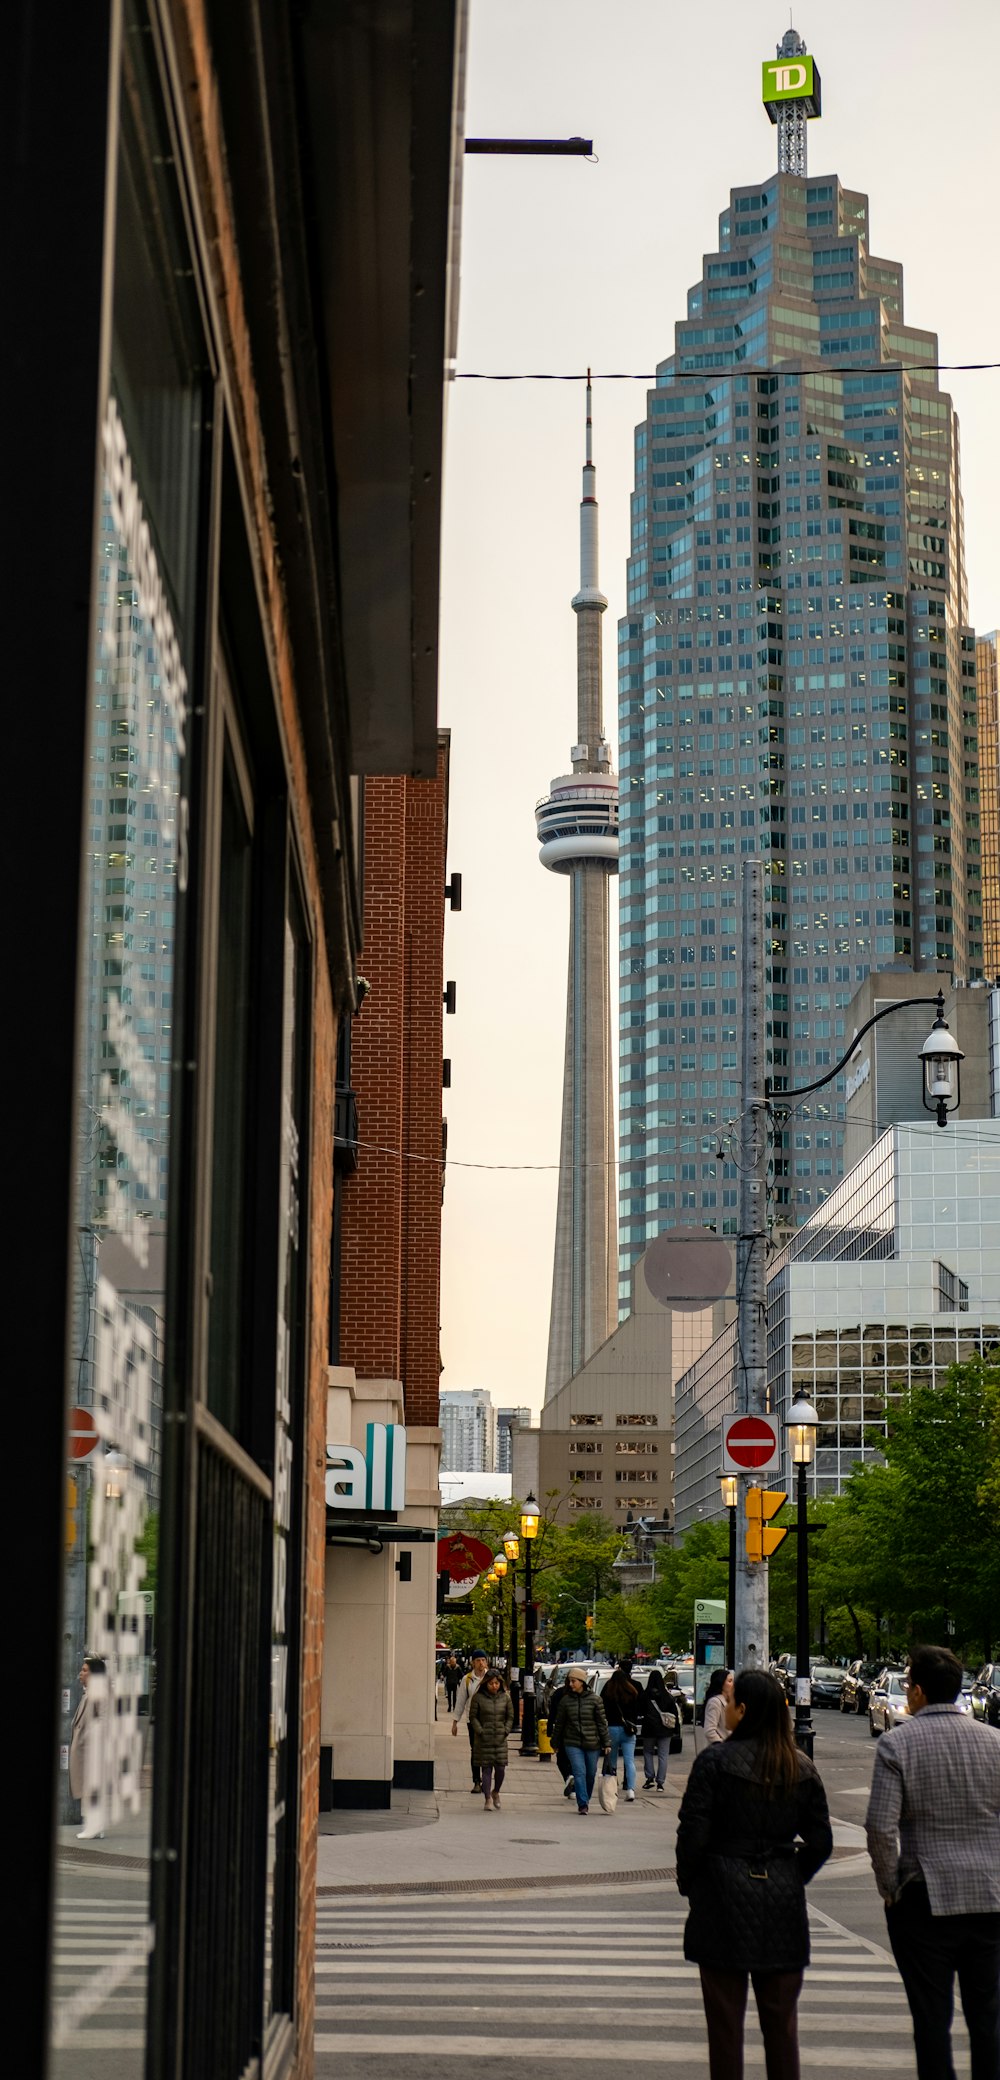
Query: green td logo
{"points": [[788, 79]]}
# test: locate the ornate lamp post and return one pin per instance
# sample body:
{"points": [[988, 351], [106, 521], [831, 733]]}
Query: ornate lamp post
{"points": [[500, 1569], [529, 1532], [803, 1423], [512, 1554], [730, 1497]]}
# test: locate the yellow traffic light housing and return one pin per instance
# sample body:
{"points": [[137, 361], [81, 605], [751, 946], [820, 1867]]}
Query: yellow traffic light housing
{"points": [[763, 1539]]}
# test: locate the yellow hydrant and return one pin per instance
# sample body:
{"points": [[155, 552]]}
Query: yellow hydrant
{"points": [[544, 1743]]}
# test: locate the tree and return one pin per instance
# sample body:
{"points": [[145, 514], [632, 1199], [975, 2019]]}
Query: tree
{"points": [[696, 1568]]}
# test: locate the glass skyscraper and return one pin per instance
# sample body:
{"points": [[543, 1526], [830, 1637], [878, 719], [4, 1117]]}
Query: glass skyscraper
{"points": [[796, 680]]}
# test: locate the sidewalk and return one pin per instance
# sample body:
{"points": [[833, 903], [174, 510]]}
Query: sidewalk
{"points": [[444, 1837]]}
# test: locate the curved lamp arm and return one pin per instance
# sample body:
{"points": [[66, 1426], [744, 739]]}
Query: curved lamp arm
{"points": [[784, 1100]]}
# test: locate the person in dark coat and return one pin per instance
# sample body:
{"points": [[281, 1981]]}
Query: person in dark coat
{"points": [[555, 1691], [582, 1729], [659, 1721], [623, 1711], [754, 1828], [491, 1717], [452, 1676]]}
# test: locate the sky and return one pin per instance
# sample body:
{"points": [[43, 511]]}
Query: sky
{"points": [[566, 265]]}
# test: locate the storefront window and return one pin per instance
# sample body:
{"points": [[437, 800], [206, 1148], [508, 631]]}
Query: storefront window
{"points": [[135, 874]]}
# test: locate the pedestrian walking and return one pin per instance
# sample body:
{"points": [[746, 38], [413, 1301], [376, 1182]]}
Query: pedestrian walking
{"points": [[452, 1675], [84, 1733], [491, 1718], [754, 1828], [555, 1690], [623, 1712], [933, 1828], [659, 1721], [466, 1692], [717, 1697], [582, 1729]]}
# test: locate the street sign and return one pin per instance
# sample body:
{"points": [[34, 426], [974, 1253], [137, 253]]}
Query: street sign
{"points": [[750, 1444], [763, 1539], [709, 1643], [84, 1435]]}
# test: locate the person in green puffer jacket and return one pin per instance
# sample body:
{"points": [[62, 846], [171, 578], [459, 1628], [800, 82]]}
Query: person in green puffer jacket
{"points": [[581, 1727], [491, 1717]]}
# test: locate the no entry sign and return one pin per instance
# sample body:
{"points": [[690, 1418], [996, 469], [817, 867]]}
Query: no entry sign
{"points": [[750, 1444], [84, 1434]]}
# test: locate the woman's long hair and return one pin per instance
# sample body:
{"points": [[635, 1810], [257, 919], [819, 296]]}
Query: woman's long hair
{"points": [[766, 1721], [621, 1690], [716, 1682], [656, 1689]]}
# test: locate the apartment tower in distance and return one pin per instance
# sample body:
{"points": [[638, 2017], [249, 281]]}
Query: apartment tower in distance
{"points": [[797, 681], [578, 835]]}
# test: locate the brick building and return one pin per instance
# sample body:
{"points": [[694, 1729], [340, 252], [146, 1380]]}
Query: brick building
{"points": [[378, 1697]]}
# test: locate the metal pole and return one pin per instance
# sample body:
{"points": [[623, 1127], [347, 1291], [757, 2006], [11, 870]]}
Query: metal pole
{"points": [[513, 1621], [750, 1140], [731, 1604], [529, 1745], [803, 1720]]}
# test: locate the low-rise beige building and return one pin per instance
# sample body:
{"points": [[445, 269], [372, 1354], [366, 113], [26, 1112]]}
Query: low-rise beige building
{"points": [[605, 1441]]}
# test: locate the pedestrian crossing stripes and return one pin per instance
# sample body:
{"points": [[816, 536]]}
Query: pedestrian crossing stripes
{"points": [[497, 1981], [100, 1964]]}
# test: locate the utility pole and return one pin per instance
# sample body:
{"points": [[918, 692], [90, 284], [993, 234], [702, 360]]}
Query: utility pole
{"points": [[751, 1147]]}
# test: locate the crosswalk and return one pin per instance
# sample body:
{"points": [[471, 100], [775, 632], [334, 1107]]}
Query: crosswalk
{"points": [[581, 1976], [100, 1965]]}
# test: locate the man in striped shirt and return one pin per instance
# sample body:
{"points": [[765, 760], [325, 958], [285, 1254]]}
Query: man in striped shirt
{"points": [[933, 1827]]}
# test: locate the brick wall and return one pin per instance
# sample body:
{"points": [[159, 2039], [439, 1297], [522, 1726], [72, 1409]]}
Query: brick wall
{"points": [[391, 1237]]}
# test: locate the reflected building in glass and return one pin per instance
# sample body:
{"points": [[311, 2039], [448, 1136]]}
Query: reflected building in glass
{"points": [[797, 679], [894, 1279]]}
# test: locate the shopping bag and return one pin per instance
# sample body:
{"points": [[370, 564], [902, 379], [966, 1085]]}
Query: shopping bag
{"points": [[607, 1787], [676, 1742]]}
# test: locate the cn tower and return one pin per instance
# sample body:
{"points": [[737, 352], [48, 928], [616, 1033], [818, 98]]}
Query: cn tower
{"points": [[577, 825]]}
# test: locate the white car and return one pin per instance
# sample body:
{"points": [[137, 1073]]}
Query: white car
{"points": [[887, 1703]]}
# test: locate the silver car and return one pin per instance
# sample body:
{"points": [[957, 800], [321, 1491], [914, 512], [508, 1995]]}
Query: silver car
{"points": [[887, 1703]]}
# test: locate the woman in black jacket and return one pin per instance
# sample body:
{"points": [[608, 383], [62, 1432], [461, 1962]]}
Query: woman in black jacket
{"points": [[754, 1828], [659, 1721]]}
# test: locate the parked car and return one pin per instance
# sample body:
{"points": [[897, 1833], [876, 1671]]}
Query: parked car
{"points": [[855, 1687], [887, 1703], [984, 1696], [826, 1684], [964, 1698]]}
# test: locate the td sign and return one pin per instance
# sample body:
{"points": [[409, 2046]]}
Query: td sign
{"points": [[788, 79]]}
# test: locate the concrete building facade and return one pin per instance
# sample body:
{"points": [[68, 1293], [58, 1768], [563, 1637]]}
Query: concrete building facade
{"points": [[796, 680], [894, 1279], [605, 1442], [883, 1083]]}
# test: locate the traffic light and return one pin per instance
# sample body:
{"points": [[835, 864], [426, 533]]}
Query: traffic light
{"points": [[589, 1622], [763, 1539]]}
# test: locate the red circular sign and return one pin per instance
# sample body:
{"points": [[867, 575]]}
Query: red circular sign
{"points": [[751, 1441], [463, 1557], [84, 1434]]}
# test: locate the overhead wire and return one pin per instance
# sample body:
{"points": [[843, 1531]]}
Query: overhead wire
{"points": [[707, 377]]}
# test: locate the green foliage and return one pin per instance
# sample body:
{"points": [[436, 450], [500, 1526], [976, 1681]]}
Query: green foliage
{"points": [[911, 1544], [697, 1567]]}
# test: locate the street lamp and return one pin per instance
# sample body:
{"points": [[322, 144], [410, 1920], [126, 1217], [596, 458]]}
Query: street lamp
{"points": [[803, 1423], [500, 1569], [941, 1058], [529, 1532], [730, 1498], [512, 1553]]}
